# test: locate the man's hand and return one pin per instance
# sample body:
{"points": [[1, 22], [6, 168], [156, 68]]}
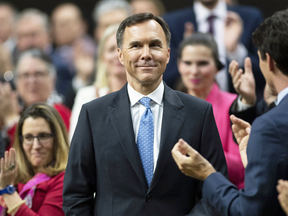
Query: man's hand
{"points": [[233, 31], [9, 107], [190, 162], [282, 189], [241, 130], [188, 29], [244, 83]]}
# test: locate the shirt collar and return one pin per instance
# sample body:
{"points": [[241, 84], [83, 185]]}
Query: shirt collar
{"points": [[202, 13], [281, 95], [156, 95]]}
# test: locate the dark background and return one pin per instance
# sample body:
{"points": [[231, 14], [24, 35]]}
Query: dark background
{"points": [[268, 7]]}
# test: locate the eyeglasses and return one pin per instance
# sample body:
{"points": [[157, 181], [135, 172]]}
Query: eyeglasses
{"points": [[42, 138], [37, 75]]}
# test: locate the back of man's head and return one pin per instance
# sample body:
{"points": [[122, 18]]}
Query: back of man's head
{"points": [[272, 37]]}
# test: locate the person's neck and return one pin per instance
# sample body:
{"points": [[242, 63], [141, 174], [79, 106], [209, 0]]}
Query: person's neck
{"points": [[280, 82], [210, 6], [143, 88], [116, 83]]}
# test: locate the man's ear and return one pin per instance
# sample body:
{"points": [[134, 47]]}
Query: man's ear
{"points": [[120, 56], [270, 62]]}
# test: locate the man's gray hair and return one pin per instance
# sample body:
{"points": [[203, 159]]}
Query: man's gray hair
{"points": [[38, 54], [35, 13], [105, 6]]}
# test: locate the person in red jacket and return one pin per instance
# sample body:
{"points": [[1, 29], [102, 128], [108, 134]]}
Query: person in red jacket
{"points": [[34, 169]]}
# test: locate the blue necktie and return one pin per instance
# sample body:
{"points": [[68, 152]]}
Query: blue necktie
{"points": [[145, 139]]}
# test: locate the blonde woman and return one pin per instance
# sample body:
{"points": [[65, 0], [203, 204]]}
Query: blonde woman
{"points": [[34, 168], [111, 75]]}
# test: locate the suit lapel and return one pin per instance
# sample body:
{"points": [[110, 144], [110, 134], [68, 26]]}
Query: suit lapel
{"points": [[172, 122], [123, 126]]}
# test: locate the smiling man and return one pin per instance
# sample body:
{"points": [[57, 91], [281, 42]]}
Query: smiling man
{"points": [[122, 143]]}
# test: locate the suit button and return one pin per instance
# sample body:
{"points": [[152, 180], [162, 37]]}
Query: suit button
{"points": [[148, 198]]}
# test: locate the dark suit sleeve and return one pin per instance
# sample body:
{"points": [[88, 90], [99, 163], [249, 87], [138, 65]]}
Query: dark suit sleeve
{"points": [[210, 148], [267, 162], [80, 175]]}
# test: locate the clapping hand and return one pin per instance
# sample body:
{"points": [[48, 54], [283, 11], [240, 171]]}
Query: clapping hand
{"points": [[241, 130], [244, 83], [233, 31], [9, 169], [282, 189], [188, 29], [190, 162]]}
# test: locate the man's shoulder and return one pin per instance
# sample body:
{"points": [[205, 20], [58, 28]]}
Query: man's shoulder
{"points": [[179, 15], [244, 10], [190, 100]]}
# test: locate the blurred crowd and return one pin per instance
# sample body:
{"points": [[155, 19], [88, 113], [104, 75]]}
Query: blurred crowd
{"points": [[52, 59]]}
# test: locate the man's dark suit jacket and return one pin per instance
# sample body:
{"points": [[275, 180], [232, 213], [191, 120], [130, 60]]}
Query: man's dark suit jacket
{"points": [[104, 158], [251, 17], [267, 153]]}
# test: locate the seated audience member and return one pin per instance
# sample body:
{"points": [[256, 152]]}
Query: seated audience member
{"points": [[72, 44], [266, 160], [109, 12], [155, 7], [111, 75], [231, 26], [282, 189], [198, 64], [31, 180], [35, 78]]}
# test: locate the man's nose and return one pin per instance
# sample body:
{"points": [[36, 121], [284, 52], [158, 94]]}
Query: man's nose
{"points": [[146, 54]]}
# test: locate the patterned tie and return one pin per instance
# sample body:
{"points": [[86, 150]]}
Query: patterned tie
{"points": [[145, 139], [210, 20]]}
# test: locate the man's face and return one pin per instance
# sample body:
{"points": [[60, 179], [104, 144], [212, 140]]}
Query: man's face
{"points": [[144, 53], [34, 82], [6, 23], [31, 33], [67, 25]]}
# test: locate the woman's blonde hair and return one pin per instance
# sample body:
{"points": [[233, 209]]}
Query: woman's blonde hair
{"points": [[60, 142], [102, 78]]}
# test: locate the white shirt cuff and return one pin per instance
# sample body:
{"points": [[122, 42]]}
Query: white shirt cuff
{"points": [[241, 106]]}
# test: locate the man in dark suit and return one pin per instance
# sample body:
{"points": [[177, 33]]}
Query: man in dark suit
{"points": [[232, 27], [106, 155], [267, 149]]}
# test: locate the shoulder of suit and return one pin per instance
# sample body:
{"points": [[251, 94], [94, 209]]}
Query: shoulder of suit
{"points": [[178, 14], [187, 99], [244, 9]]}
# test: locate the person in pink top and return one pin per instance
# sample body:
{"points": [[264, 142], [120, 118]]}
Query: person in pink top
{"points": [[198, 63]]}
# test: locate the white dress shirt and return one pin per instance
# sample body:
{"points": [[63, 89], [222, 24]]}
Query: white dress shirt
{"points": [[220, 11], [281, 95], [137, 110]]}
